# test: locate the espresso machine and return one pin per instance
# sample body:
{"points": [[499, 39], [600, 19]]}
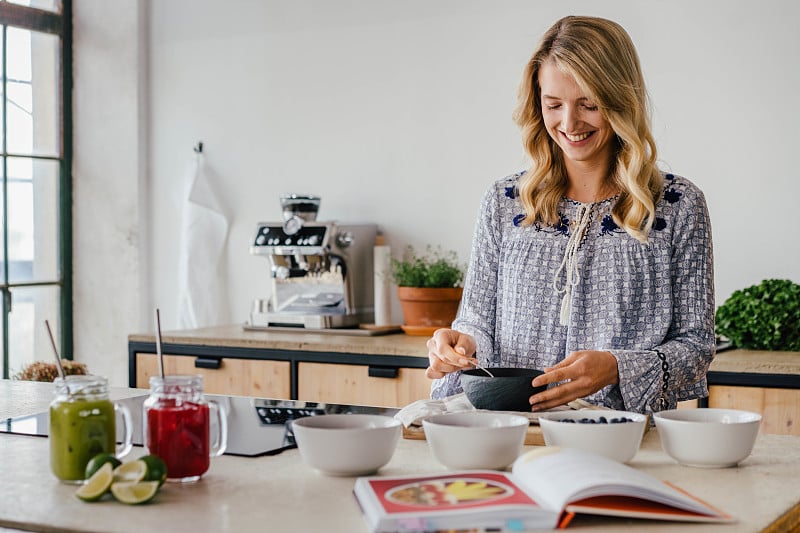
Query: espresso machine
{"points": [[321, 273]]}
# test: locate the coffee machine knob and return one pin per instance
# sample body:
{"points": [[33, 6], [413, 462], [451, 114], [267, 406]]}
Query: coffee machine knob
{"points": [[344, 239], [292, 225], [282, 272]]}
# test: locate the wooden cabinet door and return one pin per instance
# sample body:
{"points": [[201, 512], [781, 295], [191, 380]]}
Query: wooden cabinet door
{"points": [[353, 384], [779, 408], [238, 377]]}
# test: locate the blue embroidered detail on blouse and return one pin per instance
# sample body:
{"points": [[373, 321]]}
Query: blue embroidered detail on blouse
{"points": [[607, 225], [512, 192], [671, 195], [518, 219], [562, 226], [660, 224]]}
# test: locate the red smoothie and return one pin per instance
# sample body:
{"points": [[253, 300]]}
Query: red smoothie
{"points": [[178, 432]]}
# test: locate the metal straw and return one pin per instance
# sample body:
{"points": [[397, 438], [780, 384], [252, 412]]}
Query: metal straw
{"points": [[55, 350], [158, 344]]}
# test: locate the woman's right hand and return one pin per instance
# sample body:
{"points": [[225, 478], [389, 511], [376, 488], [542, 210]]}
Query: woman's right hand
{"points": [[449, 350]]}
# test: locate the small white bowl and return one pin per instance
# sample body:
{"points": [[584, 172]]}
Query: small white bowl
{"points": [[616, 440], [707, 437], [346, 444], [475, 440]]}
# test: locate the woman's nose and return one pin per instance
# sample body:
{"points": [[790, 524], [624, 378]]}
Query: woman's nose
{"points": [[569, 119]]}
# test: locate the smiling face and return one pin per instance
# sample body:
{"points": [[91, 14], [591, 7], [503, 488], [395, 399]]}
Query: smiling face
{"points": [[574, 121]]}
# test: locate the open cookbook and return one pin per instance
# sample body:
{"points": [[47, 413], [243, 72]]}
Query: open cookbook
{"points": [[545, 489]]}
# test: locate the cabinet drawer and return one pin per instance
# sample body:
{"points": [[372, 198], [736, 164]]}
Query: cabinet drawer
{"points": [[239, 377], [361, 384], [779, 408]]}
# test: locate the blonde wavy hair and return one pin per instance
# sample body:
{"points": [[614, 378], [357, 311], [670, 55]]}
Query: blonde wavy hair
{"points": [[601, 57]]}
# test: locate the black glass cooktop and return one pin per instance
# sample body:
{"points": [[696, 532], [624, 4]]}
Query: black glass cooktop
{"points": [[256, 426]]}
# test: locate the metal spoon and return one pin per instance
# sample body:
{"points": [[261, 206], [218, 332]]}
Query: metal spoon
{"points": [[478, 365]]}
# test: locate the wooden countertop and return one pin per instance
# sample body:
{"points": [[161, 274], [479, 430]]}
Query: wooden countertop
{"points": [[237, 337], [280, 493], [736, 361]]}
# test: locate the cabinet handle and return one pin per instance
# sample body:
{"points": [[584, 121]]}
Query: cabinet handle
{"points": [[383, 372], [208, 362]]}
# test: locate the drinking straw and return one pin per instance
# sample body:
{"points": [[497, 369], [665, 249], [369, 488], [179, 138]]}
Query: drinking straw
{"points": [[55, 350], [158, 344]]}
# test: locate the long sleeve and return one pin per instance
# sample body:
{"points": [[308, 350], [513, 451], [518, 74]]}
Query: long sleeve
{"points": [[689, 344]]}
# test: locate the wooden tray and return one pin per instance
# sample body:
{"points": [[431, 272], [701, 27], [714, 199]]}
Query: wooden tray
{"points": [[533, 436]]}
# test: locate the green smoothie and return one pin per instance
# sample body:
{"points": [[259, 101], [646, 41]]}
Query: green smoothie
{"points": [[80, 428]]}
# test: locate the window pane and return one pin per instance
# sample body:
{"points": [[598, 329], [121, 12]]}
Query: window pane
{"points": [[33, 91], [2, 233], [2, 90], [27, 336], [47, 5], [33, 245]]}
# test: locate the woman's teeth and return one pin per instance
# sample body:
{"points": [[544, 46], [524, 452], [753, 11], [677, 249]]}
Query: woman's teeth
{"points": [[578, 137]]}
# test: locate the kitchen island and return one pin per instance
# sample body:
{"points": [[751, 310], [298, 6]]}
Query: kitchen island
{"points": [[280, 493]]}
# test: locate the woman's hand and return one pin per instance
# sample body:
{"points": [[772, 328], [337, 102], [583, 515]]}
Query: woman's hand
{"points": [[449, 350], [580, 374]]}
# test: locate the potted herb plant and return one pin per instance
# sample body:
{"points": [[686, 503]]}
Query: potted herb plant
{"points": [[428, 287]]}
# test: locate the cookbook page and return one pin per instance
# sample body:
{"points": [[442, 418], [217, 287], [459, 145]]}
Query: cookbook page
{"points": [[559, 476]]}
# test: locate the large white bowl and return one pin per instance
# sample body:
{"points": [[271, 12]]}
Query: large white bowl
{"points": [[710, 437], [346, 444], [475, 440], [618, 441]]}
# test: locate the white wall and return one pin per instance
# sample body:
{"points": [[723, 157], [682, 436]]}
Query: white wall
{"points": [[399, 113]]}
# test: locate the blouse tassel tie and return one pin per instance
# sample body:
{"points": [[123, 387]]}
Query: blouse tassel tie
{"points": [[570, 262]]}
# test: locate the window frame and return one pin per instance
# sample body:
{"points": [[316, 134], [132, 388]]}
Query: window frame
{"points": [[59, 24]]}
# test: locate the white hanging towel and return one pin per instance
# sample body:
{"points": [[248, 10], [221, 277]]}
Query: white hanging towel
{"points": [[202, 297]]}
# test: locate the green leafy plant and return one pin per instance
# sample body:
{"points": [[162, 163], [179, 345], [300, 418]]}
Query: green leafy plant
{"points": [[763, 317], [432, 269]]}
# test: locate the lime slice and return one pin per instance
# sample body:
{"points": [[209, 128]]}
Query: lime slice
{"points": [[97, 485], [132, 471], [134, 492], [156, 469], [99, 460]]}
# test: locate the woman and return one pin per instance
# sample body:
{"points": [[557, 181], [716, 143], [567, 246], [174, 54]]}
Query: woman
{"points": [[592, 265]]}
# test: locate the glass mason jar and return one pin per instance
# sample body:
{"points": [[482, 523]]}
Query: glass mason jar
{"points": [[83, 424], [177, 426]]}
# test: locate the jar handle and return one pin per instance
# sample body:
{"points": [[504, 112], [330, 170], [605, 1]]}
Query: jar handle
{"points": [[221, 442], [127, 440]]}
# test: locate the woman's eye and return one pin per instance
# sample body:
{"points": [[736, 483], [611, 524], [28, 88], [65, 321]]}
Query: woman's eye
{"points": [[590, 107], [552, 106]]}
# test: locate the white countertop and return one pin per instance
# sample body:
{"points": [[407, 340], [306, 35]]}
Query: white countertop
{"points": [[280, 493]]}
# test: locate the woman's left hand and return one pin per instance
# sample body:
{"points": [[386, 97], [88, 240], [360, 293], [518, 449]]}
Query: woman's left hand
{"points": [[580, 374]]}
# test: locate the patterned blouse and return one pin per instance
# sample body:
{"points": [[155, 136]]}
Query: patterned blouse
{"points": [[651, 305]]}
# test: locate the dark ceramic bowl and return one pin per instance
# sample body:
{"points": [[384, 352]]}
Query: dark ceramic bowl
{"points": [[509, 390]]}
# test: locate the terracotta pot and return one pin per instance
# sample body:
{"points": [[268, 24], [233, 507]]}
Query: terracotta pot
{"points": [[426, 309]]}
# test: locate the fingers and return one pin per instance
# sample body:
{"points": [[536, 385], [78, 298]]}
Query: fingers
{"points": [[448, 351]]}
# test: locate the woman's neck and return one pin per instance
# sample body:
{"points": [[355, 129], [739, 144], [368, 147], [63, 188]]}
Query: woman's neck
{"points": [[588, 183]]}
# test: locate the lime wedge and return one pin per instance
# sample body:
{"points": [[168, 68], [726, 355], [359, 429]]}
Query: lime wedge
{"points": [[156, 469], [131, 472], [97, 485], [134, 492], [99, 460]]}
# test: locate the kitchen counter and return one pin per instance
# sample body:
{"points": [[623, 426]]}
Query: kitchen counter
{"points": [[280, 493], [400, 344], [235, 336]]}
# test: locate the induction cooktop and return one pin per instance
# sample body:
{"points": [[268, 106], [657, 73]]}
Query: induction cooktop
{"points": [[256, 426]]}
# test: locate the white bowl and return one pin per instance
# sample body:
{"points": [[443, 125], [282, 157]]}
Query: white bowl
{"points": [[346, 444], [710, 437], [616, 440], [475, 440]]}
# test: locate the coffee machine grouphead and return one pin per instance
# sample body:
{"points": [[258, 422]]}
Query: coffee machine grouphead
{"points": [[321, 273]]}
